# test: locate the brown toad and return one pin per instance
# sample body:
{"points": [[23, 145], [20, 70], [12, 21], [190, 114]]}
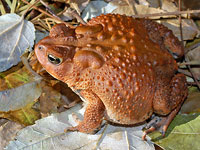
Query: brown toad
{"points": [[122, 66]]}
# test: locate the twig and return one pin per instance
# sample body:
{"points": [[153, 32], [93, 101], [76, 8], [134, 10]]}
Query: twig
{"points": [[180, 22], [49, 9], [167, 14], [194, 76], [2, 9], [42, 11], [193, 63], [30, 8], [191, 47], [192, 83], [185, 72], [159, 3], [76, 15]]}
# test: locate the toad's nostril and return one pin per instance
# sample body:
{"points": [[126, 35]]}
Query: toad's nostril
{"points": [[40, 47]]}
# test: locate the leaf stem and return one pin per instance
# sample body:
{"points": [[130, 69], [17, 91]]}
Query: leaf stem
{"points": [[26, 64]]}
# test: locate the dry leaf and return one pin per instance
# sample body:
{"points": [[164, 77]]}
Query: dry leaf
{"points": [[16, 35], [189, 28], [169, 6]]}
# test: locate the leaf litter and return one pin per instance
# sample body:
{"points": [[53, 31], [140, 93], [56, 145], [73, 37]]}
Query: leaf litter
{"points": [[48, 132]]}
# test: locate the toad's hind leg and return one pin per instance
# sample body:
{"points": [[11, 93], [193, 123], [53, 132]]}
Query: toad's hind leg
{"points": [[167, 102], [169, 96], [93, 115]]}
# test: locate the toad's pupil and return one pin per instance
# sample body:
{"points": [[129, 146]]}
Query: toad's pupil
{"points": [[54, 60]]}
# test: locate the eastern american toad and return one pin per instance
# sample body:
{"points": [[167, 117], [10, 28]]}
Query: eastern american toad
{"points": [[123, 68]]}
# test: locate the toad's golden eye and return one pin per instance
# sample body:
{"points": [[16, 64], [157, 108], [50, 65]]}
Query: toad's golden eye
{"points": [[54, 60]]}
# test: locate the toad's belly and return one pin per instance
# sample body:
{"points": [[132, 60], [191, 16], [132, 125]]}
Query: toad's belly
{"points": [[130, 113]]}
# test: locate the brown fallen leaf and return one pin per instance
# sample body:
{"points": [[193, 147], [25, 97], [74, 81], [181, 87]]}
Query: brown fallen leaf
{"points": [[8, 132], [192, 104]]}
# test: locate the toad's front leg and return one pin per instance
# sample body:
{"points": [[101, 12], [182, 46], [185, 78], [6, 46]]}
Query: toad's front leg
{"points": [[93, 115]]}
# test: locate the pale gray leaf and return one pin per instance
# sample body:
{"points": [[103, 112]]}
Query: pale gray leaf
{"points": [[47, 134], [16, 35], [40, 35], [168, 6], [96, 8], [19, 97]]}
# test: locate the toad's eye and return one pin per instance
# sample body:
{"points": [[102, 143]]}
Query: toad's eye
{"points": [[54, 60]]}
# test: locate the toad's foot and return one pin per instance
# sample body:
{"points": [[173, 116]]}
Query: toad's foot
{"points": [[83, 129], [160, 123]]}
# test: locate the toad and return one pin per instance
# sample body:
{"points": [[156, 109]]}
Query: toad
{"points": [[124, 68]]}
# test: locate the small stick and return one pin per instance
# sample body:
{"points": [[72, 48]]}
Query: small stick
{"points": [[185, 72], [191, 47], [42, 11], [30, 8], [192, 83], [190, 74], [180, 22], [193, 74], [167, 14], [190, 63]]}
